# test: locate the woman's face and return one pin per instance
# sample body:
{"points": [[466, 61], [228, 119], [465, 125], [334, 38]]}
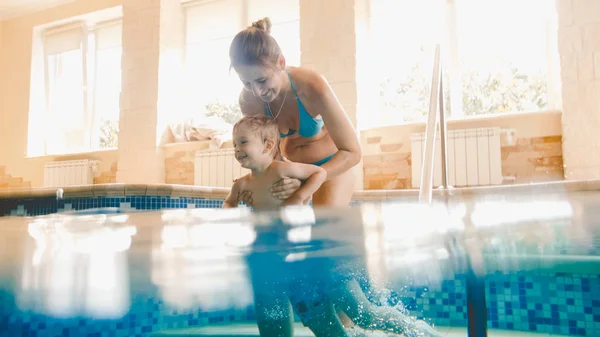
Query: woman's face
{"points": [[264, 82]]}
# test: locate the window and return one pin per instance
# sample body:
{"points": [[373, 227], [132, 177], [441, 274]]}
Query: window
{"points": [[212, 88], [82, 87], [107, 86], [498, 56]]}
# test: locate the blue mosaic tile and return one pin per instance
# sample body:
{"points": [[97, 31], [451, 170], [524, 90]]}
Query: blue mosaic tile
{"points": [[49, 205], [146, 315], [445, 307], [542, 302]]}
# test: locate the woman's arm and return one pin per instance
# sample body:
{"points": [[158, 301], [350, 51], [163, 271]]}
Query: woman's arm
{"points": [[313, 175], [321, 98]]}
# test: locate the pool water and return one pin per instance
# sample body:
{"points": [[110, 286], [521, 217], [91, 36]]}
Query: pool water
{"points": [[520, 266]]}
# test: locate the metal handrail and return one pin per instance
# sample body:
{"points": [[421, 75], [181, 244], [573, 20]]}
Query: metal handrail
{"points": [[476, 303], [426, 189]]}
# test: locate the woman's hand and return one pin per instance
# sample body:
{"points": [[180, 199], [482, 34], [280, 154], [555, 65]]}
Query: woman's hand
{"points": [[246, 198], [285, 187]]}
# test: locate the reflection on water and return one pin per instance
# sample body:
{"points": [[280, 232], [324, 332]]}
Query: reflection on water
{"points": [[496, 213], [198, 257], [78, 266], [197, 260]]}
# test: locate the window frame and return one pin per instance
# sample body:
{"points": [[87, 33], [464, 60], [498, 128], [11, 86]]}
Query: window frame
{"points": [[89, 69]]}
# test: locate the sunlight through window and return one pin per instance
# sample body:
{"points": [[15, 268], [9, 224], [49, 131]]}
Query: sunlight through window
{"points": [[211, 87], [498, 57], [82, 71]]}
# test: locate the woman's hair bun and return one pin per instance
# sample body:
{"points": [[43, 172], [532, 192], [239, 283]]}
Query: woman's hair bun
{"points": [[263, 24]]}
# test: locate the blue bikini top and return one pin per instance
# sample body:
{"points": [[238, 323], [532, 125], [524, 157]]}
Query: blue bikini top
{"points": [[308, 125]]}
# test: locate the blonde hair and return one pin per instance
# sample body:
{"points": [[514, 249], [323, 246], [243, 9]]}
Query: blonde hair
{"points": [[255, 46], [264, 127]]}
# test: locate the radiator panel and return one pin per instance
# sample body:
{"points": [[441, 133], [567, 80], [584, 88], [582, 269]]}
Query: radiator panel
{"points": [[474, 158], [69, 173], [217, 168]]}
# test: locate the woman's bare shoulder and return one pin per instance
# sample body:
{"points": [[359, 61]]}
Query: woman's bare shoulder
{"points": [[308, 82]]}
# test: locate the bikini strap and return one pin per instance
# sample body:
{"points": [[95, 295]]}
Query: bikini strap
{"points": [[292, 84], [269, 114]]}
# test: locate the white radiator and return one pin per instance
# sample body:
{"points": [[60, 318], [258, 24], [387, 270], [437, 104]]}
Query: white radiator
{"points": [[69, 173], [474, 158], [217, 168]]}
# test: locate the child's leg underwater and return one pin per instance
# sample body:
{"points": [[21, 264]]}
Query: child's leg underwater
{"points": [[351, 299], [274, 315], [322, 319]]}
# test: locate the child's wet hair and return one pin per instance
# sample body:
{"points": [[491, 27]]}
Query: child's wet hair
{"points": [[264, 127]]}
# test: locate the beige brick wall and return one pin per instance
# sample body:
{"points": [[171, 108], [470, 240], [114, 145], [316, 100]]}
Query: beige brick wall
{"points": [[7, 181], [180, 159], [532, 160], [109, 176], [579, 49], [179, 168]]}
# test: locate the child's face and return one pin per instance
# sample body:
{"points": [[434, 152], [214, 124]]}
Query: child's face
{"points": [[250, 150]]}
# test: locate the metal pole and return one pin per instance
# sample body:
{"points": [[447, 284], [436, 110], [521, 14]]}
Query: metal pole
{"points": [[477, 319], [425, 192], [443, 139]]}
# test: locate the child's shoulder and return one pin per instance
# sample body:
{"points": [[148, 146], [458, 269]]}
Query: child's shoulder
{"points": [[242, 181]]}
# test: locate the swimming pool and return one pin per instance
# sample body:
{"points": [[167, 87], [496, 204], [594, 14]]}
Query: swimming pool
{"points": [[125, 273]]}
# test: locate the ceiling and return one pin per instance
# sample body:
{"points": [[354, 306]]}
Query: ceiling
{"points": [[14, 8]]}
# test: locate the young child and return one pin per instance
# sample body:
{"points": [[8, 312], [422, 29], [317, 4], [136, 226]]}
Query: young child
{"points": [[256, 143]]}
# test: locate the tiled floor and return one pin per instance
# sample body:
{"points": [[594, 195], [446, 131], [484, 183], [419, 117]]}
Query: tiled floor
{"points": [[249, 330]]}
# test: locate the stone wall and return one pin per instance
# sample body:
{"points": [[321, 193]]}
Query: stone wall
{"points": [[7, 181], [531, 159], [107, 177], [389, 169], [179, 168]]}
